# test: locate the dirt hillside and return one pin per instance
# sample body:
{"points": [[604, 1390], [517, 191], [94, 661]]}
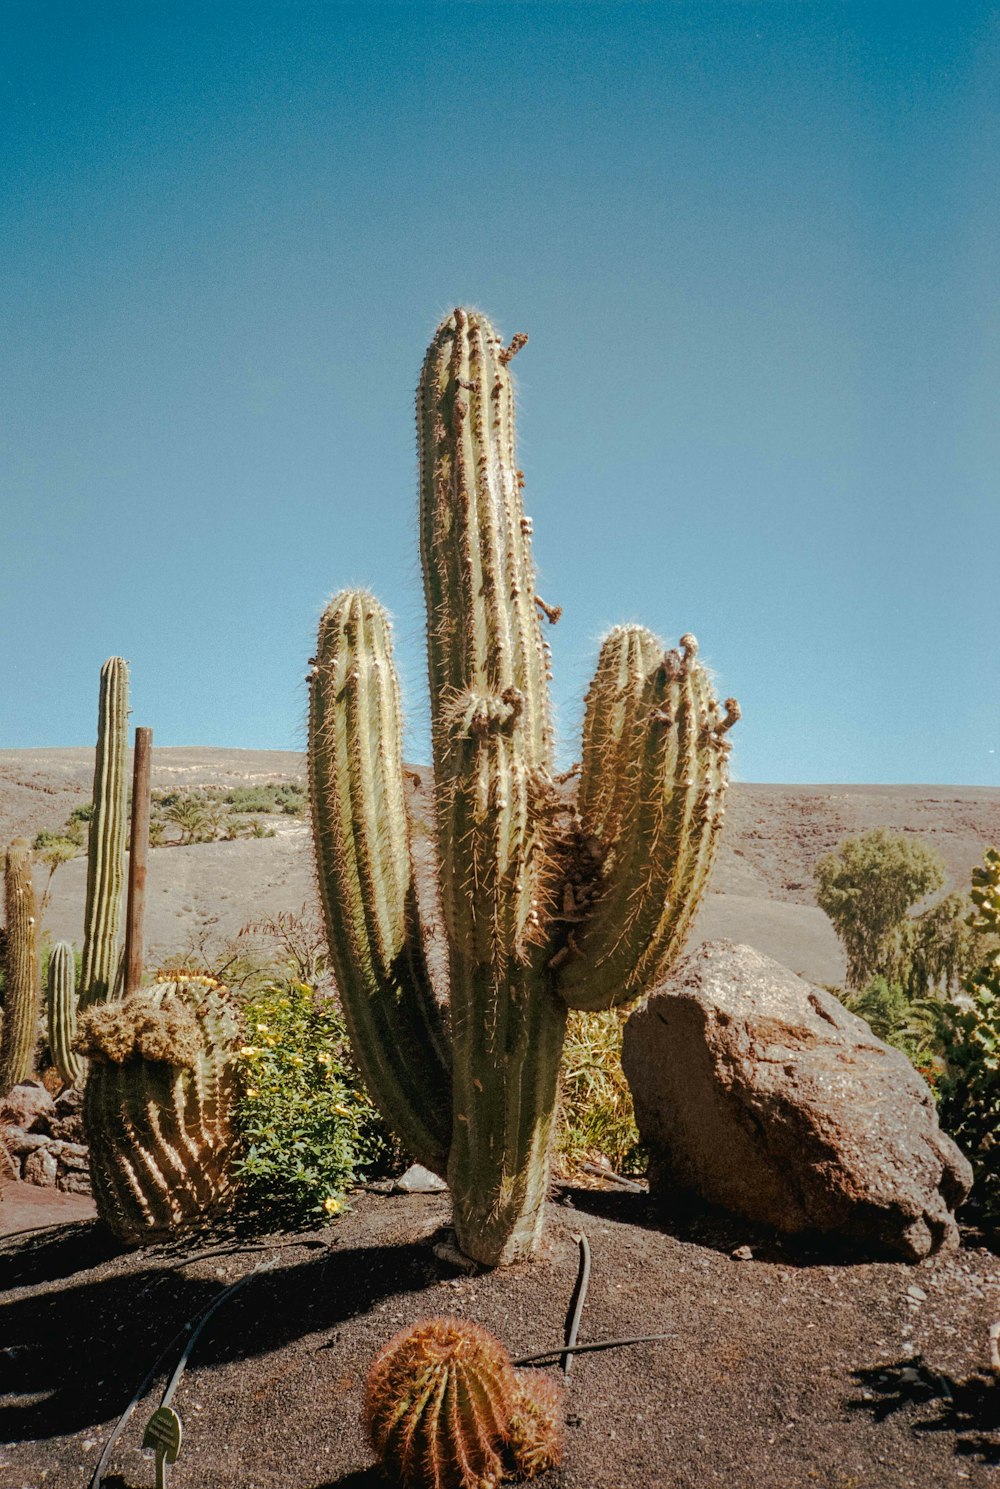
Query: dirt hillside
{"points": [[761, 891]]}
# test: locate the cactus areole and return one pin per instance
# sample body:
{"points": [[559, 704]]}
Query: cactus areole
{"points": [[548, 903]]}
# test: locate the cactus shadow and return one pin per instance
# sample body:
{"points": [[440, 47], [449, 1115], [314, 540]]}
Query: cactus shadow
{"points": [[55, 1253], [970, 1408], [120, 1322]]}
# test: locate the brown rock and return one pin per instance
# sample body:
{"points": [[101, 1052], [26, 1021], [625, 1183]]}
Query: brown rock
{"points": [[41, 1167], [759, 1092], [73, 1181], [24, 1104], [73, 1155]]}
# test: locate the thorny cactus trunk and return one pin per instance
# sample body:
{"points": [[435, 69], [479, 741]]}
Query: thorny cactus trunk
{"points": [[546, 905], [61, 998], [159, 1105], [106, 845], [22, 976]]}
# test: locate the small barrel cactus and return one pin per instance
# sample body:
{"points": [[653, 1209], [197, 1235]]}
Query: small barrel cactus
{"points": [[445, 1409], [61, 999], [21, 969], [159, 1105]]}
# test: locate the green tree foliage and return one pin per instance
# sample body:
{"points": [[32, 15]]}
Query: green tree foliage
{"points": [[868, 888]]}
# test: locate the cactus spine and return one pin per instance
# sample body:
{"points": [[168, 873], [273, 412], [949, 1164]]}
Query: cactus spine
{"points": [[21, 969], [106, 845], [546, 905], [159, 1105], [61, 998], [445, 1409]]}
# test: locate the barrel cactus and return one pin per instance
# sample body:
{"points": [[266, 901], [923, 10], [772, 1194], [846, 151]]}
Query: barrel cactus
{"points": [[445, 1409], [548, 903], [22, 977], [106, 844], [159, 1105], [61, 999]]}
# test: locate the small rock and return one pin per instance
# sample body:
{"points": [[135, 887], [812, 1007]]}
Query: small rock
{"points": [[69, 1103], [24, 1104], [743, 1254], [41, 1167], [74, 1156], [916, 1292], [71, 1182], [20, 1142], [418, 1180]]}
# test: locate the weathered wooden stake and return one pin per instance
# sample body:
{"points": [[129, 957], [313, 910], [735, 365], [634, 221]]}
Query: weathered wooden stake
{"points": [[137, 859]]}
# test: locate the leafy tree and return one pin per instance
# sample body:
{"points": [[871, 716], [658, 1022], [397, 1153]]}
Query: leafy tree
{"points": [[867, 888]]}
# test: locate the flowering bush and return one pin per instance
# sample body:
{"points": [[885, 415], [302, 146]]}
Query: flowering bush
{"points": [[309, 1129]]}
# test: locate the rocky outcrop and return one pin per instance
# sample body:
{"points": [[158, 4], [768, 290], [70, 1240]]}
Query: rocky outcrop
{"points": [[759, 1092], [41, 1139]]}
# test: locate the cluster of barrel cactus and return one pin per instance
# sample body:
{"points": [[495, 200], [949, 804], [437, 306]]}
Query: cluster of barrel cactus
{"points": [[159, 1104], [445, 1409], [548, 904]]}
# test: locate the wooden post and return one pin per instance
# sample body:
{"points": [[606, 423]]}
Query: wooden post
{"points": [[137, 859]]}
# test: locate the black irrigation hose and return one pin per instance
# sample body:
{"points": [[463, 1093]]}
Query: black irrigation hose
{"points": [[197, 1323], [580, 1297]]}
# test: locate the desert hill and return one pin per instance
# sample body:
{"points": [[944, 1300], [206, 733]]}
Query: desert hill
{"points": [[761, 891]]}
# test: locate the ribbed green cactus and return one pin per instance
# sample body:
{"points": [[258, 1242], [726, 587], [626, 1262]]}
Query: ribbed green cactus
{"points": [[547, 904], [106, 845], [159, 1105], [445, 1409], [22, 975], [61, 999]]}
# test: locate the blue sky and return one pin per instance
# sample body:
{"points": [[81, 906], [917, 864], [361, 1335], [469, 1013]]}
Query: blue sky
{"points": [[755, 248]]}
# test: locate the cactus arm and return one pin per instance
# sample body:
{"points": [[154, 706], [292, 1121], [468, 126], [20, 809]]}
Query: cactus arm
{"points": [[106, 845], [361, 834], [21, 969], [659, 826], [61, 999], [491, 739]]}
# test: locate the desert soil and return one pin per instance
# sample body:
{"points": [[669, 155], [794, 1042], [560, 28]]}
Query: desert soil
{"points": [[792, 1369]]}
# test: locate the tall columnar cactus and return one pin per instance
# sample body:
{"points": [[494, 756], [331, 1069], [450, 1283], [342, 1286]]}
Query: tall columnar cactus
{"points": [[61, 998], [106, 846], [445, 1409], [547, 904], [159, 1105], [22, 977]]}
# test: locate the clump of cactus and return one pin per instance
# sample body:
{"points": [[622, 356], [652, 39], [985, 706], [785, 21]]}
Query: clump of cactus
{"points": [[61, 1001], [445, 1409], [159, 1105], [22, 975], [106, 842], [548, 904]]}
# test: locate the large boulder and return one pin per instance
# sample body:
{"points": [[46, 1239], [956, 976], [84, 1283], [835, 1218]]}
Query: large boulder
{"points": [[759, 1092], [26, 1104]]}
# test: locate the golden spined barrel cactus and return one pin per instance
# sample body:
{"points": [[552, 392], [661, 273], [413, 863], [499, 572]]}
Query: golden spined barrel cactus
{"points": [[159, 1105], [445, 1409]]}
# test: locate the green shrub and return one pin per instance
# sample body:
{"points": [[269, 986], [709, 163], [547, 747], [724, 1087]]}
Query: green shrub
{"points": [[309, 1130], [970, 1029], [595, 1109]]}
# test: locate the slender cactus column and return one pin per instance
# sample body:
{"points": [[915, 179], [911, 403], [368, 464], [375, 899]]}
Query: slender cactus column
{"points": [[21, 971], [61, 997], [106, 846]]}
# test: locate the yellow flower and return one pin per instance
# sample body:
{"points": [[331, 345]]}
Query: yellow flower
{"points": [[323, 1056], [344, 1111], [252, 1091], [261, 1028], [332, 1206], [296, 1060], [249, 1050]]}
